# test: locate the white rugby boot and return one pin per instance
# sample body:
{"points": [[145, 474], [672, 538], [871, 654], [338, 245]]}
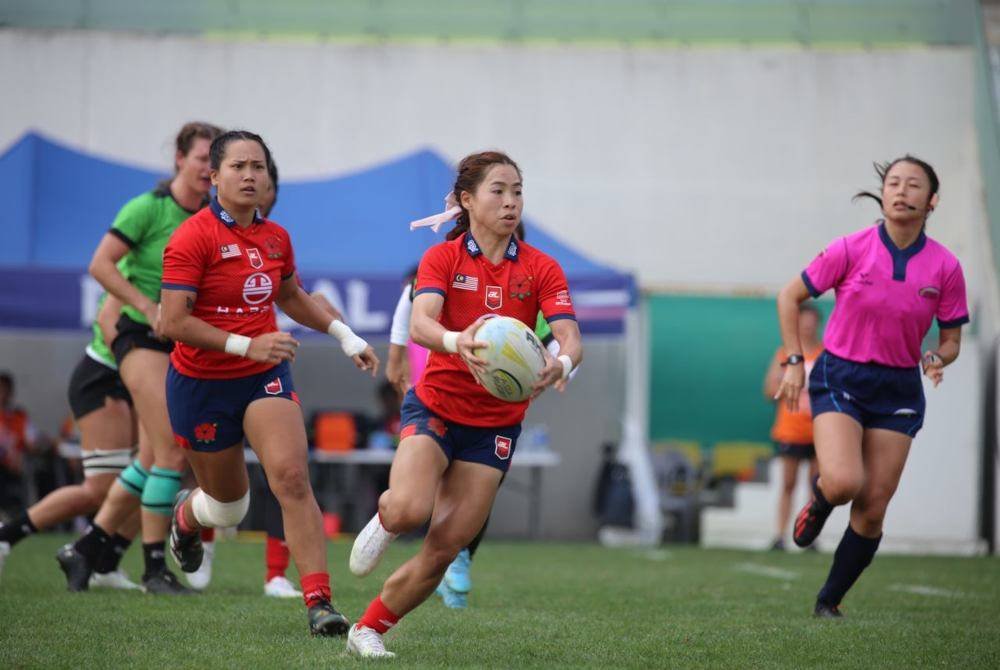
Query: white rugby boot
{"points": [[113, 580], [366, 643], [369, 546], [280, 587], [200, 578]]}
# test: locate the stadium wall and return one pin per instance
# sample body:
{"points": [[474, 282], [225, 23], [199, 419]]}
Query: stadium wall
{"points": [[704, 169]]}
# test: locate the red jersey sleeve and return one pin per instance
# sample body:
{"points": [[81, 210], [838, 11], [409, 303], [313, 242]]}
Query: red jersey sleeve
{"points": [[553, 292], [433, 275], [185, 258], [288, 269]]}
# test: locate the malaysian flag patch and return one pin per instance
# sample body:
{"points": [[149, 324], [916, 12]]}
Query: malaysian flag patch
{"points": [[466, 283], [230, 250]]}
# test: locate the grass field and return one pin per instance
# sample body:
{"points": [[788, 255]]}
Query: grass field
{"points": [[533, 605]]}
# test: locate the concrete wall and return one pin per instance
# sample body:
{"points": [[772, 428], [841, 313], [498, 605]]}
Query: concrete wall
{"points": [[722, 168]]}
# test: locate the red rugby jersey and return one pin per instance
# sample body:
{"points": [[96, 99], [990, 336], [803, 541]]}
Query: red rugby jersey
{"points": [[524, 282], [236, 273]]}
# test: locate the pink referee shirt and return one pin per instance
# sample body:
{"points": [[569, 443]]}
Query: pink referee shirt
{"points": [[886, 297]]}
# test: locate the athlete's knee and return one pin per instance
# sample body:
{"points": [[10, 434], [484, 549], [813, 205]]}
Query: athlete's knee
{"points": [[171, 457], [290, 482], [133, 478], [440, 549], [213, 513], [839, 488], [401, 515]]}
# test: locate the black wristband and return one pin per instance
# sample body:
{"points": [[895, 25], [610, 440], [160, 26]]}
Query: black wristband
{"points": [[794, 359]]}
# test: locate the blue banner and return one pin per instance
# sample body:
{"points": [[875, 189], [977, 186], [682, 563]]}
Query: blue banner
{"points": [[32, 298]]}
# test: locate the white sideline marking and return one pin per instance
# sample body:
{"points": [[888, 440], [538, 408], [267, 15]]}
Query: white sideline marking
{"points": [[656, 555], [924, 590], [766, 571]]}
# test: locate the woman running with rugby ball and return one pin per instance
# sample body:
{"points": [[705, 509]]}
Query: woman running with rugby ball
{"points": [[457, 439], [891, 281]]}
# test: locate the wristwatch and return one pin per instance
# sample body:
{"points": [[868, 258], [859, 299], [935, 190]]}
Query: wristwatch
{"points": [[794, 359]]}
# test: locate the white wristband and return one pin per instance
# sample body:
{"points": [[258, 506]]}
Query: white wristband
{"points": [[567, 364], [450, 341], [237, 345], [349, 341]]}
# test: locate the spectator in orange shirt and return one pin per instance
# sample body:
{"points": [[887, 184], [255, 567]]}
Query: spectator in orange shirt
{"points": [[17, 437], [792, 432]]}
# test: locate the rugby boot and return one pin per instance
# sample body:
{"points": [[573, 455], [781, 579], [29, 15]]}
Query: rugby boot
{"points": [[76, 567], [824, 611], [164, 583], [186, 548], [325, 621]]}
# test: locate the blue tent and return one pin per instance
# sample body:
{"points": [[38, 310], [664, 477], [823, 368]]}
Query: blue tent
{"points": [[350, 235]]}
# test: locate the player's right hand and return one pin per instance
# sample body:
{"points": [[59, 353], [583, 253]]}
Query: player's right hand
{"points": [[791, 386], [467, 345], [152, 314], [272, 348]]}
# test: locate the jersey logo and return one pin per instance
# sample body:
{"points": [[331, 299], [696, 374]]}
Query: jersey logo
{"points": [[563, 299], [494, 297], [256, 260], [520, 287], [257, 288], [931, 292], [273, 248], [503, 447], [465, 282], [273, 387], [230, 251]]}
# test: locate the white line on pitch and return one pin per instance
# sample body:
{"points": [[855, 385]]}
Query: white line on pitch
{"points": [[656, 555], [766, 571], [924, 590]]}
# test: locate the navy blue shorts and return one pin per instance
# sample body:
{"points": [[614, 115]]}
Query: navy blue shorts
{"points": [[207, 414], [876, 396], [489, 446], [802, 452]]}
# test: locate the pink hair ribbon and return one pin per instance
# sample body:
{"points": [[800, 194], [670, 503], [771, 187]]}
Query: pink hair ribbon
{"points": [[451, 211]]}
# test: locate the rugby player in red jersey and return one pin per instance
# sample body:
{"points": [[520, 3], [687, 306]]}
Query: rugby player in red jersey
{"points": [[457, 439], [224, 269]]}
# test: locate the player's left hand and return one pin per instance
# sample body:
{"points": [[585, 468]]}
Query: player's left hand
{"points": [[551, 374], [367, 360], [933, 367]]}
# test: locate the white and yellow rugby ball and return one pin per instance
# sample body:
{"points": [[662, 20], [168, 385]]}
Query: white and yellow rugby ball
{"points": [[514, 358]]}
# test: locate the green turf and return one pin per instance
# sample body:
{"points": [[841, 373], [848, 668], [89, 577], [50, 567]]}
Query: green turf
{"points": [[540, 605]]}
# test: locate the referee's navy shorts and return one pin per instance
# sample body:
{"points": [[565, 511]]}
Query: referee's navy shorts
{"points": [[876, 396]]}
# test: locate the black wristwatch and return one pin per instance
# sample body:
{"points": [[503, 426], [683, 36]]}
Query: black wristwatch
{"points": [[794, 359]]}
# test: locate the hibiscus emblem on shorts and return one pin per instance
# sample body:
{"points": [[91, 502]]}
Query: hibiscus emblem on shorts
{"points": [[205, 432], [436, 426]]}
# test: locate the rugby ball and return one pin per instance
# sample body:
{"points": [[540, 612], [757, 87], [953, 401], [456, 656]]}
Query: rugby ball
{"points": [[514, 358]]}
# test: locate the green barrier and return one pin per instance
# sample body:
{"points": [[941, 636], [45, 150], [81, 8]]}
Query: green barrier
{"points": [[851, 22], [708, 356]]}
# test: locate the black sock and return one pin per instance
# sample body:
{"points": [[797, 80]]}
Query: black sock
{"points": [[92, 544], [154, 554], [17, 529], [854, 554], [477, 539], [821, 500], [111, 557]]}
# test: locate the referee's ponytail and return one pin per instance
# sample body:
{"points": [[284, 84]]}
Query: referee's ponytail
{"points": [[471, 173]]}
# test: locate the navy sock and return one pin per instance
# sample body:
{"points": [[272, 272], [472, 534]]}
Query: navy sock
{"points": [[92, 544], [17, 529], [854, 554], [821, 500], [111, 558], [155, 556]]}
